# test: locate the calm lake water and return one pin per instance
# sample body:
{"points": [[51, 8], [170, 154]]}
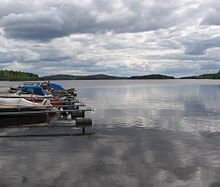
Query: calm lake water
{"points": [[147, 133]]}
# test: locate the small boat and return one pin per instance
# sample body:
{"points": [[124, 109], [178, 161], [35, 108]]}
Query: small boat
{"points": [[33, 93], [38, 91], [57, 89], [47, 88], [19, 111]]}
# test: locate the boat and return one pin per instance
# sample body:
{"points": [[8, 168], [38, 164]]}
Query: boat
{"points": [[47, 88], [38, 91], [19, 111], [33, 93], [36, 104]]}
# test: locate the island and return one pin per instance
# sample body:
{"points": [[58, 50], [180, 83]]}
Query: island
{"points": [[153, 76]]}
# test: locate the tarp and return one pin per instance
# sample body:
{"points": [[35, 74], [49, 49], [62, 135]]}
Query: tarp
{"points": [[32, 89], [56, 86]]}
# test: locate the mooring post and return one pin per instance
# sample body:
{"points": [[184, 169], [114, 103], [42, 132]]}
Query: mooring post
{"points": [[83, 123], [83, 130]]}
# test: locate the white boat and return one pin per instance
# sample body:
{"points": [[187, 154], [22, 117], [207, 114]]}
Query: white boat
{"points": [[19, 111]]}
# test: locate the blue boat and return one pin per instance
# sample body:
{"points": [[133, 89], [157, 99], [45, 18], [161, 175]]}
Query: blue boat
{"points": [[31, 89], [43, 88]]}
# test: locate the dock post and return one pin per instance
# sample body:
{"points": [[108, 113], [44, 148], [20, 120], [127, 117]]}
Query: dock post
{"points": [[83, 123], [83, 130]]}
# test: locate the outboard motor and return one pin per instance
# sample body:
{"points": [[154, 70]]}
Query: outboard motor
{"points": [[46, 102]]}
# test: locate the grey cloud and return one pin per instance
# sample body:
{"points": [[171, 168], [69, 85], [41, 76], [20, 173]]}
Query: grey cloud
{"points": [[197, 68], [170, 44], [5, 57], [180, 71], [8, 57], [199, 47], [40, 25], [48, 24], [137, 16], [211, 19], [210, 66], [212, 13], [98, 16], [11, 6], [55, 59]]}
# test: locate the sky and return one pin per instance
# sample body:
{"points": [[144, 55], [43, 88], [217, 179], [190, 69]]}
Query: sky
{"points": [[116, 37]]}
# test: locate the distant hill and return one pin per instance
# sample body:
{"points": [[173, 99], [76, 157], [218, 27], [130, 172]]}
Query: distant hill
{"points": [[204, 76], [59, 77], [9, 75], [153, 76], [86, 77], [99, 77], [103, 77], [210, 76]]}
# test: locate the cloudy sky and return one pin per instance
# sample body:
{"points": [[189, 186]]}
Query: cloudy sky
{"points": [[117, 37]]}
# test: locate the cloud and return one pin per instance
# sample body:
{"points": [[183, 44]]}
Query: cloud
{"points": [[212, 18], [210, 66], [41, 25], [212, 15], [13, 6], [97, 16], [199, 47], [119, 37]]}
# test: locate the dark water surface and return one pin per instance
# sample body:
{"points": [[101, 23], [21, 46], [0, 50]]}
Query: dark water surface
{"points": [[147, 133]]}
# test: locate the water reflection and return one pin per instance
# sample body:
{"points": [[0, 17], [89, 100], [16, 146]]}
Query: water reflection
{"points": [[187, 107], [161, 134]]}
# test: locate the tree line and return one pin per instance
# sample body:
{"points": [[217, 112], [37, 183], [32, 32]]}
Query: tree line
{"points": [[9, 75]]}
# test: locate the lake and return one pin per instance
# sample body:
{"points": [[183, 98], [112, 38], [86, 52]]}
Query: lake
{"points": [[158, 133]]}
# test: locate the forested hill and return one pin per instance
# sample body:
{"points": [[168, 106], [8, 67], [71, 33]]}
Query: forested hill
{"points": [[204, 76], [9, 75], [103, 77], [82, 77], [152, 76], [210, 76]]}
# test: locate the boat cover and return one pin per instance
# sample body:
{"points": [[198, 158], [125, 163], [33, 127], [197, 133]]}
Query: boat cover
{"points": [[56, 86], [33, 89], [20, 102]]}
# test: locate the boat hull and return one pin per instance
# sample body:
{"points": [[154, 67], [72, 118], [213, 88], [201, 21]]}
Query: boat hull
{"points": [[13, 117], [22, 119], [36, 99]]}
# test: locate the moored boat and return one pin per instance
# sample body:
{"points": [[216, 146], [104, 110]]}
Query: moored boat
{"points": [[19, 111], [33, 93], [38, 91], [47, 88]]}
